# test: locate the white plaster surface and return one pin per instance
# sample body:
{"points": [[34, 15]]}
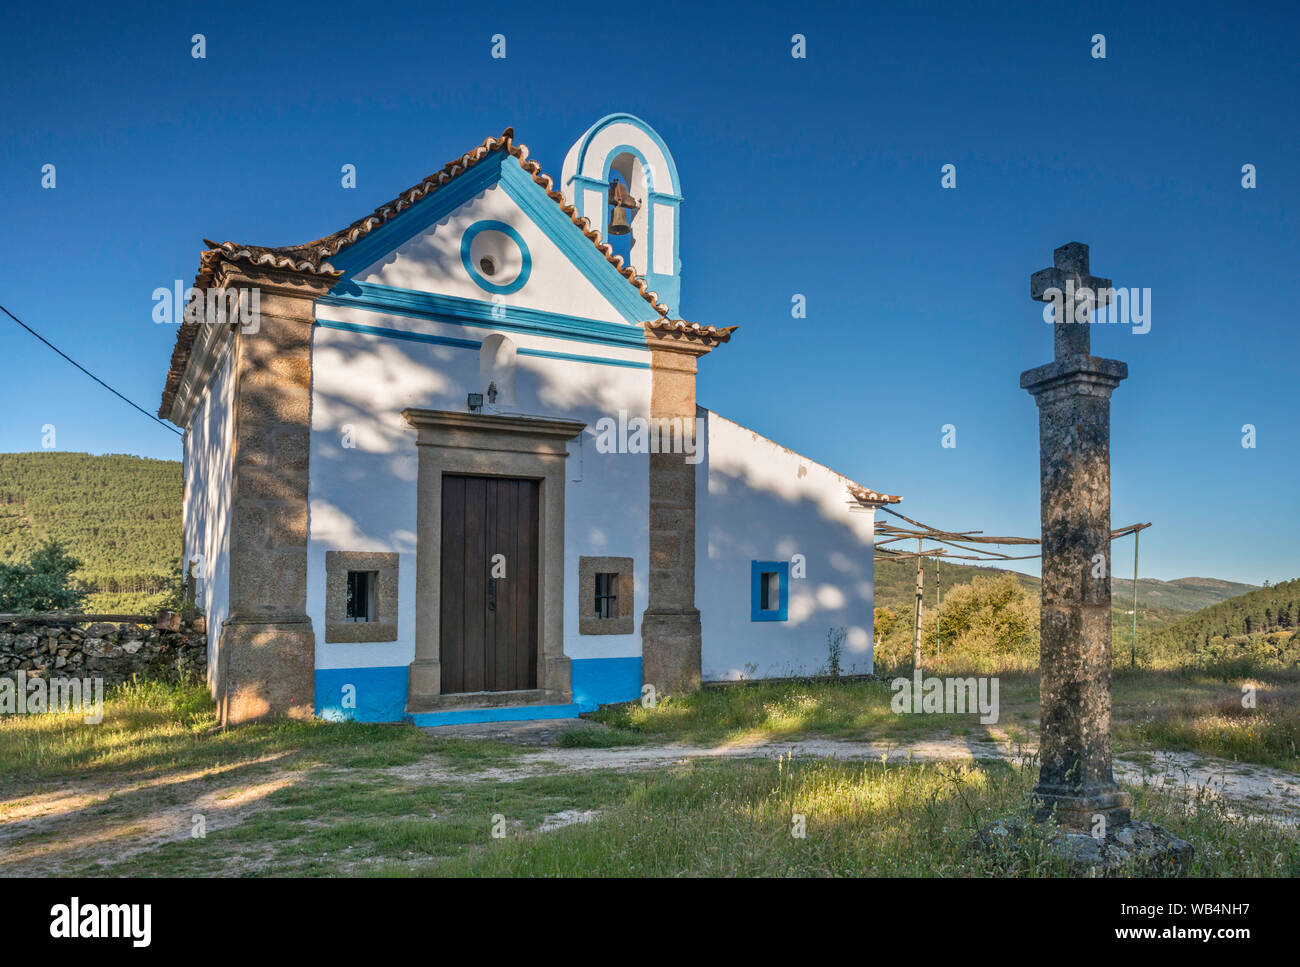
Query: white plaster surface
{"points": [[431, 262], [758, 501], [208, 442]]}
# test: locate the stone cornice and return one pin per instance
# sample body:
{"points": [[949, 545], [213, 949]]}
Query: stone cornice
{"points": [[1075, 374], [223, 271], [476, 431], [277, 280], [687, 338]]}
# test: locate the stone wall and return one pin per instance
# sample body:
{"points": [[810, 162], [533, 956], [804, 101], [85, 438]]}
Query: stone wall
{"points": [[113, 652]]}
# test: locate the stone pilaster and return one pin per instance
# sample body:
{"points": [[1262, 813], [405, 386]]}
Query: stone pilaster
{"points": [[1075, 777], [267, 648], [670, 625]]}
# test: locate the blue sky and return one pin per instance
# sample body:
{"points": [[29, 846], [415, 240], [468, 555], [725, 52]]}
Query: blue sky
{"points": [[818, 176]]}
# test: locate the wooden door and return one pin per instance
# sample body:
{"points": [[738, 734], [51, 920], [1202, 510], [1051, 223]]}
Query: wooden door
{"points": [[489, 584]]}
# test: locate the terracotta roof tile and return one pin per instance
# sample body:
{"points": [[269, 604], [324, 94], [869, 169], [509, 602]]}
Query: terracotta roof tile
{"points": [[671, 326], [865, 495], [313, 257]]}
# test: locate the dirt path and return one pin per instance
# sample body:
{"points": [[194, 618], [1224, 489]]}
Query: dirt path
{"points": [[1262, 789], [79, 825]]}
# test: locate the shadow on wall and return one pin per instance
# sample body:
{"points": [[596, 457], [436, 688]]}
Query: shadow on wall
{"points": [[364, 452], [762, 502], [208, 477]]}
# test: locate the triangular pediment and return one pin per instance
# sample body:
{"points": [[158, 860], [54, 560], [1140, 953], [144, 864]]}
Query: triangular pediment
{"points": [[494, 236]]}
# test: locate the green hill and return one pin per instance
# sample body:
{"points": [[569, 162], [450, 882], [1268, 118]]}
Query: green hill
{"points": [[1159, 602], [896, 586], [1261, 623], [120, 515]]}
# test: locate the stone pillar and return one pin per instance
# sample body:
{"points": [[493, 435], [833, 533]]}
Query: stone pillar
{"points": [[1073, 396], [266, 660], [670, 626]]}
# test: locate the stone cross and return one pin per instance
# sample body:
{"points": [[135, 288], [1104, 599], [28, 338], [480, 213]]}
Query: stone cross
{"points": [[1075, 294], [1075, 780]]}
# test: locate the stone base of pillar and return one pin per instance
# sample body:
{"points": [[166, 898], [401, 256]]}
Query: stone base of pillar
{"points": [[557, 678], [1078, 809], [426, 678], [1012, 847], [267, 669], [670, 651]]}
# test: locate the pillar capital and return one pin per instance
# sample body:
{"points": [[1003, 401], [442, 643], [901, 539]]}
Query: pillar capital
{"points": [[1074, 375]]}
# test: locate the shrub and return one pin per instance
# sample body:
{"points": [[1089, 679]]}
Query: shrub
{"points": [[987, 624], [43, 583]]}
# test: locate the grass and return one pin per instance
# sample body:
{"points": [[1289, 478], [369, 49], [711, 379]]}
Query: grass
{"points": [[722, 818], [779, 710], [1192, 710], [1198, 711], [150, 728], [737, 818], [608, 738], [322, 799], [374, 824]]}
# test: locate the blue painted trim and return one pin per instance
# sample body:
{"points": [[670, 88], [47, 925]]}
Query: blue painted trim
{"points": [[579, 196], [636, 153], [472, 344], [399, 230], [577, 248], [401, 334], [492, 225], [632, 119], [523, 713], [573, 357], [604, 681], [756, 570], [667, 286], [379, 693], [646, 209], [484, 315], [536, 204]]}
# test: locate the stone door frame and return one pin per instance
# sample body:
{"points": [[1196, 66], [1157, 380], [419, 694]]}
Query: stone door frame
{"points": [[489, 445]]}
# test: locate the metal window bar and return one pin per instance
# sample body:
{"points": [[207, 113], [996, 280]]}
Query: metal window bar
{"points": [[606, 596], [361, 596]]}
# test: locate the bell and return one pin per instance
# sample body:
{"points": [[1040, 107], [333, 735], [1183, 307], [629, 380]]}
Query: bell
{"points": [[618, 221]]}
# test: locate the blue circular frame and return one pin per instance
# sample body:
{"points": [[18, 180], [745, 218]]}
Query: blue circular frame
{"points": [[479, 278]]}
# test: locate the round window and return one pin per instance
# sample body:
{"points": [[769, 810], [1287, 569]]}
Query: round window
{"points": [[495, 256]]}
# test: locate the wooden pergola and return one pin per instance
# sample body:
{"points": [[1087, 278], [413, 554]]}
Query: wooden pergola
{"points": [[948, 541]]}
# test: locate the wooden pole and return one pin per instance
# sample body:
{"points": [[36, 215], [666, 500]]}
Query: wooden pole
{"points": [[938, 611], [1132, 662], [187, 607], [916, 623]]}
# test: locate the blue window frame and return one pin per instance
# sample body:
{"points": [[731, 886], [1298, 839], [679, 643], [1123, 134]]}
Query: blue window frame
{"points": [[769, 590]]}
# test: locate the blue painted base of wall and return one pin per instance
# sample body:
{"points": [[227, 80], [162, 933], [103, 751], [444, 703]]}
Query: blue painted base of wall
{"points": [[362, 694], [379, 694], [527, 713], [602, 681]]}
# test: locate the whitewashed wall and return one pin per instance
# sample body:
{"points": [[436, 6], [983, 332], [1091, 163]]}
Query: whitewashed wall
{"points": [[431, 262], [758, 501], [364, 498], [208, 442]]}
